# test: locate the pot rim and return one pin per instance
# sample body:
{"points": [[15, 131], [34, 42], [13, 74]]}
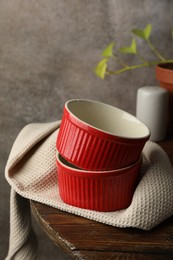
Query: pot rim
{"points": [[164, 72]]}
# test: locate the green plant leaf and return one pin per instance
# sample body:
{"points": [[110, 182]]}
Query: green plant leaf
{"points": [[144, 34], [172, 34], [129, 49], [147, 31], [100, 69], [108, 51], [138, 33]]}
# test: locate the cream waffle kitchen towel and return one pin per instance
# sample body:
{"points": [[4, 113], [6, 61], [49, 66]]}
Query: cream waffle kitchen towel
{"points": [[31, 172]]}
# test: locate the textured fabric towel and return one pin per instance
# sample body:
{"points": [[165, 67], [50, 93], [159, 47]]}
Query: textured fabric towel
{"points": [[31, 172]]}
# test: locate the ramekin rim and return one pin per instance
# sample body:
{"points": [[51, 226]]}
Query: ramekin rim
{"points": [[144, 137]]}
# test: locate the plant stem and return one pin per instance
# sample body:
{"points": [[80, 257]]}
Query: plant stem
{"points": [[155, 50], [145, 64], [119, 61]]}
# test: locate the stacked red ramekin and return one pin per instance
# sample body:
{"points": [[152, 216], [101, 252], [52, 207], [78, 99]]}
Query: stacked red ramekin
{"points": [[98, 155]]}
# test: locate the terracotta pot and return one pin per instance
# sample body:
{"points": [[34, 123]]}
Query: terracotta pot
{"points": [[164, 74]]}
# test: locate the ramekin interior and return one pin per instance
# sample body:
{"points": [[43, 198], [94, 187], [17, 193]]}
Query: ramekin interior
{"points": [[107, 118]]}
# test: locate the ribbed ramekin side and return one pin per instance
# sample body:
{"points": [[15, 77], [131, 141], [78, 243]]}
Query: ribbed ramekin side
{"points": [[101, 194], [91, 152]]}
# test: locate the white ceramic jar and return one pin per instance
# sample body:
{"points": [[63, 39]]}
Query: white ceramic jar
{"points": [[152, 109]]}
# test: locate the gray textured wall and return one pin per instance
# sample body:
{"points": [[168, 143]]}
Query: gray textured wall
{"points": [[48, 50]]}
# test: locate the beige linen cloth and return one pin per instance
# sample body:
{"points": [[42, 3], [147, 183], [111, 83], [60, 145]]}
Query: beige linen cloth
{"points": [[31, 172]]}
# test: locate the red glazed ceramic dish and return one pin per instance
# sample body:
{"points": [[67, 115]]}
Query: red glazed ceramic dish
{"points": [[97, 190], [97, 136]]}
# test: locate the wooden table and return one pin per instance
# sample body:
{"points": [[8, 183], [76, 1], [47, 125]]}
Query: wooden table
{"points": [[81, 238]]}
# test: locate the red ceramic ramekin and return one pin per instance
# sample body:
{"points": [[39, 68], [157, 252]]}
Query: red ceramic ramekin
{"points": [[97, 190], [97, 136]]}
